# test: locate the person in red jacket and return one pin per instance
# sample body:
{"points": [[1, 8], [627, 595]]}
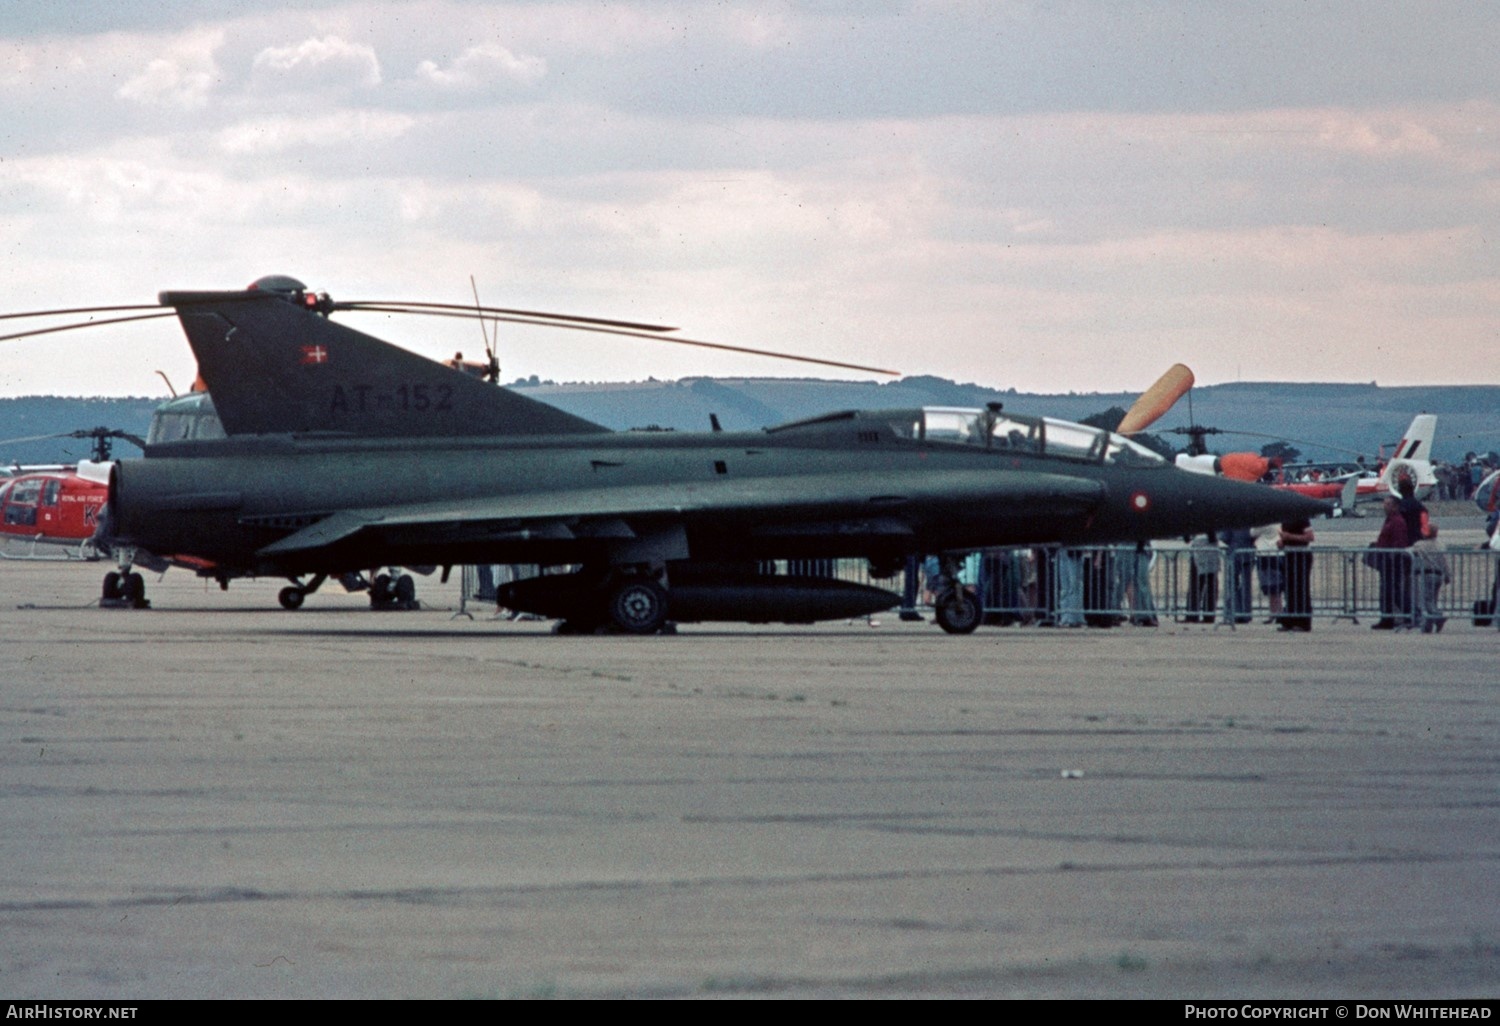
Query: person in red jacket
{"points": [[1394, 568]]}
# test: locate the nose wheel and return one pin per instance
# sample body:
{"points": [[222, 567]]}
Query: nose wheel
{"points": [[958, 612], [955, 608], [123, 589]]}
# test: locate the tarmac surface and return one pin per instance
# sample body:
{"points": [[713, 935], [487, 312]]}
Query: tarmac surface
{"points": [[217, 798]]}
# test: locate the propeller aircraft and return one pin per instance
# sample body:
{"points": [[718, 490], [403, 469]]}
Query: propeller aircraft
{"points": [[345, 452]]}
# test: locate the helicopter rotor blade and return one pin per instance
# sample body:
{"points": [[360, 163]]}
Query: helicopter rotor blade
{"points": [[78, 310], [88, 324], [447, 310], [96, 433], [629, 329], [1263, 434], [1157, 399], [35, 438], [102, 432], [475, 310]]}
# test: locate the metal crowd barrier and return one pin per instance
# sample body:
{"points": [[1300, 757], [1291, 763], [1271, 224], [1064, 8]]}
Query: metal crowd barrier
{"points": [[1108, 585]]}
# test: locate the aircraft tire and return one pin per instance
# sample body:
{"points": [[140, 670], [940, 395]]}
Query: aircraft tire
{"points": [[404, 592], [380, 592], [133, 590], [638, 605], [960, 613], [291, 597], [112, 591]]}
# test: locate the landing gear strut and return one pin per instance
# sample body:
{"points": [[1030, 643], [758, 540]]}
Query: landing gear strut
{"points": [[292, 597], [387, 591]]}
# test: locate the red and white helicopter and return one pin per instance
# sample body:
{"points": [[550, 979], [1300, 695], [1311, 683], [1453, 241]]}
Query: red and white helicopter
{"points": [[56, 507]]}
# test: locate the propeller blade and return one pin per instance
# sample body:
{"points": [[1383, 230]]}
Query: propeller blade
{"points": [[1157, 399]]}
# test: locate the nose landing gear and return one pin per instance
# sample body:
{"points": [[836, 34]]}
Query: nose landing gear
{"points": [[956, 609], [124, 589]]}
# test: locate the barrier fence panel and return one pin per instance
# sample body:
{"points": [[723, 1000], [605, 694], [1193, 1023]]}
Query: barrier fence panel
{"points": [[1114, 584], [1103, 586]]}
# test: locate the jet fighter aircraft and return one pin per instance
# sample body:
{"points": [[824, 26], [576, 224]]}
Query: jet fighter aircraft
{"points": [[345, 452]]}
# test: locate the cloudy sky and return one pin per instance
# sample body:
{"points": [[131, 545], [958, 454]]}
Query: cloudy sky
{"points": [[1047, 196]]}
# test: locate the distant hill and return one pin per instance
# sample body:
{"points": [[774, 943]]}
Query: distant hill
{"points": [[1354, 417]]}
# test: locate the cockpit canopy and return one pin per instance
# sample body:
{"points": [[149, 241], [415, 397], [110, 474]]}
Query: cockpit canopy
{"points": [[186, 418], [1036, 436]]}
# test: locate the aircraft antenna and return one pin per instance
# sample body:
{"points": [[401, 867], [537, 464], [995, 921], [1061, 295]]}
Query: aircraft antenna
{"points": [[492, 366]]}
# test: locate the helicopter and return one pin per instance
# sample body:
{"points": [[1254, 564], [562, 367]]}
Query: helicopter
{"points": [[57, 506], [344, 451]]}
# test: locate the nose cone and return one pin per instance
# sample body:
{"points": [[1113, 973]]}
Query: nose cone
{"points": [[1214, 503]]}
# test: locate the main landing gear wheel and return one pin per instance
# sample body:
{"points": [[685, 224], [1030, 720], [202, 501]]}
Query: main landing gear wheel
{"points": [[389, 592], [112, 592], [958, 612], [291, 597], [638, 605], [406, 592]]}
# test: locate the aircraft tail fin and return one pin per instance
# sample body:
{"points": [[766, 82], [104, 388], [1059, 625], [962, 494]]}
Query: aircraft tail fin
{"points": [[1413, 456], [1416, 445], [275, 364]]}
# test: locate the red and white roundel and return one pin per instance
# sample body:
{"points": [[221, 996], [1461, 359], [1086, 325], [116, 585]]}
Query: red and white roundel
{"points": [[1140, 501]]}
